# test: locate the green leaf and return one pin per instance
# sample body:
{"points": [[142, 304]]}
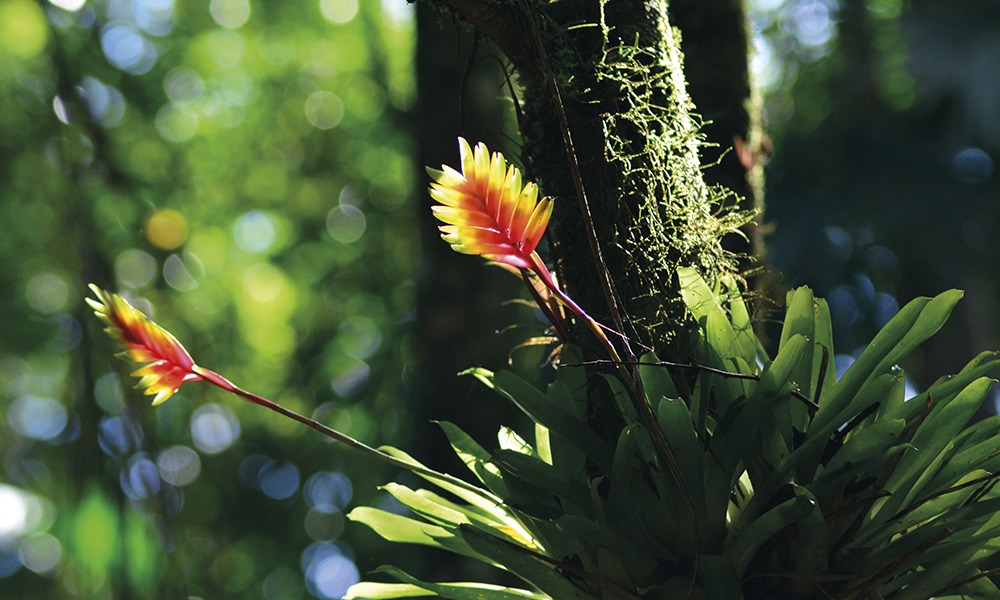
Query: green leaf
{"points": [[426, 507], [972, 516], [573, 380], [475, 458], [675, 420], [572, 494], [891, 400], [947, 387], [937, 433], [949, 571], [482, 499], [633, 509], [410, 531], [867, 467], [622, 473], [656, 381], [719, 578], [916, 322], [928, 510], [704, 305], [745, 546], [980, 431], [474, 513], [525, 565], [714, 348], [385, 591], [454, 591], [738, 447], [805, 458], [883, 434], [537, 406], [810, 550], [978, 589], [542, 443], [746, 340], [938, 430], [640, 563], [981, 456], [509, 440], [799, 321], [822, 338]]}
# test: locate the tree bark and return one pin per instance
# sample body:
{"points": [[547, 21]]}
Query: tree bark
{"points": [[610, 133]]}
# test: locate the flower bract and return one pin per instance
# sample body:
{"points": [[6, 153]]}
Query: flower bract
{"points": [[144, 341], [487, 211]]}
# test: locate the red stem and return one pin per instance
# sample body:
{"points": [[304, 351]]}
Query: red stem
{"points": [[543, 273], [225, 384]]}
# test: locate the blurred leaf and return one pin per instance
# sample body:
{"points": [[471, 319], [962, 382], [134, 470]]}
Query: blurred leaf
{"points": [[96, 538]]}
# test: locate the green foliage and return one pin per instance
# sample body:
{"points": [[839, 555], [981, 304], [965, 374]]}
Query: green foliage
{"points": [[803, 486], [251, 188]]}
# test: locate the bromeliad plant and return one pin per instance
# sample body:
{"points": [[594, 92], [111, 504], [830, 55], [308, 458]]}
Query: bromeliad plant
{"points": [[734, 475]]}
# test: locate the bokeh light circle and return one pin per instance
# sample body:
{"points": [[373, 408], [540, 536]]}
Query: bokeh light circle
{"points": [[135, 268], [329, 572], [108, 393], [338, 11], [38, 418], [324, 110], [352, 380], [255, 231], [183, 85], [972, 165], [175, 125], [324, 526], [250, 470], [126, 48], [328, 491], [179, 465], [47, 293], [214, 428], [117, 435], [279, 480], [230, 13], [23, 28], [40, 552], [167, 229], [283, 584], [346, 223], [141, 479]]}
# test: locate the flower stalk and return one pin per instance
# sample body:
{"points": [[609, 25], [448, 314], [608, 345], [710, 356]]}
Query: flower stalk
{"points": [[170, 366]]}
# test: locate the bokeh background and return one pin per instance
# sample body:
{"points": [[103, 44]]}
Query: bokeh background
{"points": [[250, 174]]}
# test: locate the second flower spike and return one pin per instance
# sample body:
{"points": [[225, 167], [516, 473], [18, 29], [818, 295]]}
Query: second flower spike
{"points": [[144, 341]]}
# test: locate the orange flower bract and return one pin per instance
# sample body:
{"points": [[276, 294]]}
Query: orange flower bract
{"points": [[488, 212], [146, 342]]}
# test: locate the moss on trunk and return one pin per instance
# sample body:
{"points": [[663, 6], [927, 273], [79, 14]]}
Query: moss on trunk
{"points": [[611, 133]]}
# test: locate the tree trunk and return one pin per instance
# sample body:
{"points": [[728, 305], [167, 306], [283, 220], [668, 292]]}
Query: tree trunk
{"points": [[610, 133]]}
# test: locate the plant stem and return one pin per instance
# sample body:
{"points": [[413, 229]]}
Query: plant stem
{"points": [[346, 439]]}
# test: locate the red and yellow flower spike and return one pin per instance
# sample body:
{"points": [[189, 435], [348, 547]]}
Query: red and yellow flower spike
{"points": [[146, 342], [488, 212]]}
